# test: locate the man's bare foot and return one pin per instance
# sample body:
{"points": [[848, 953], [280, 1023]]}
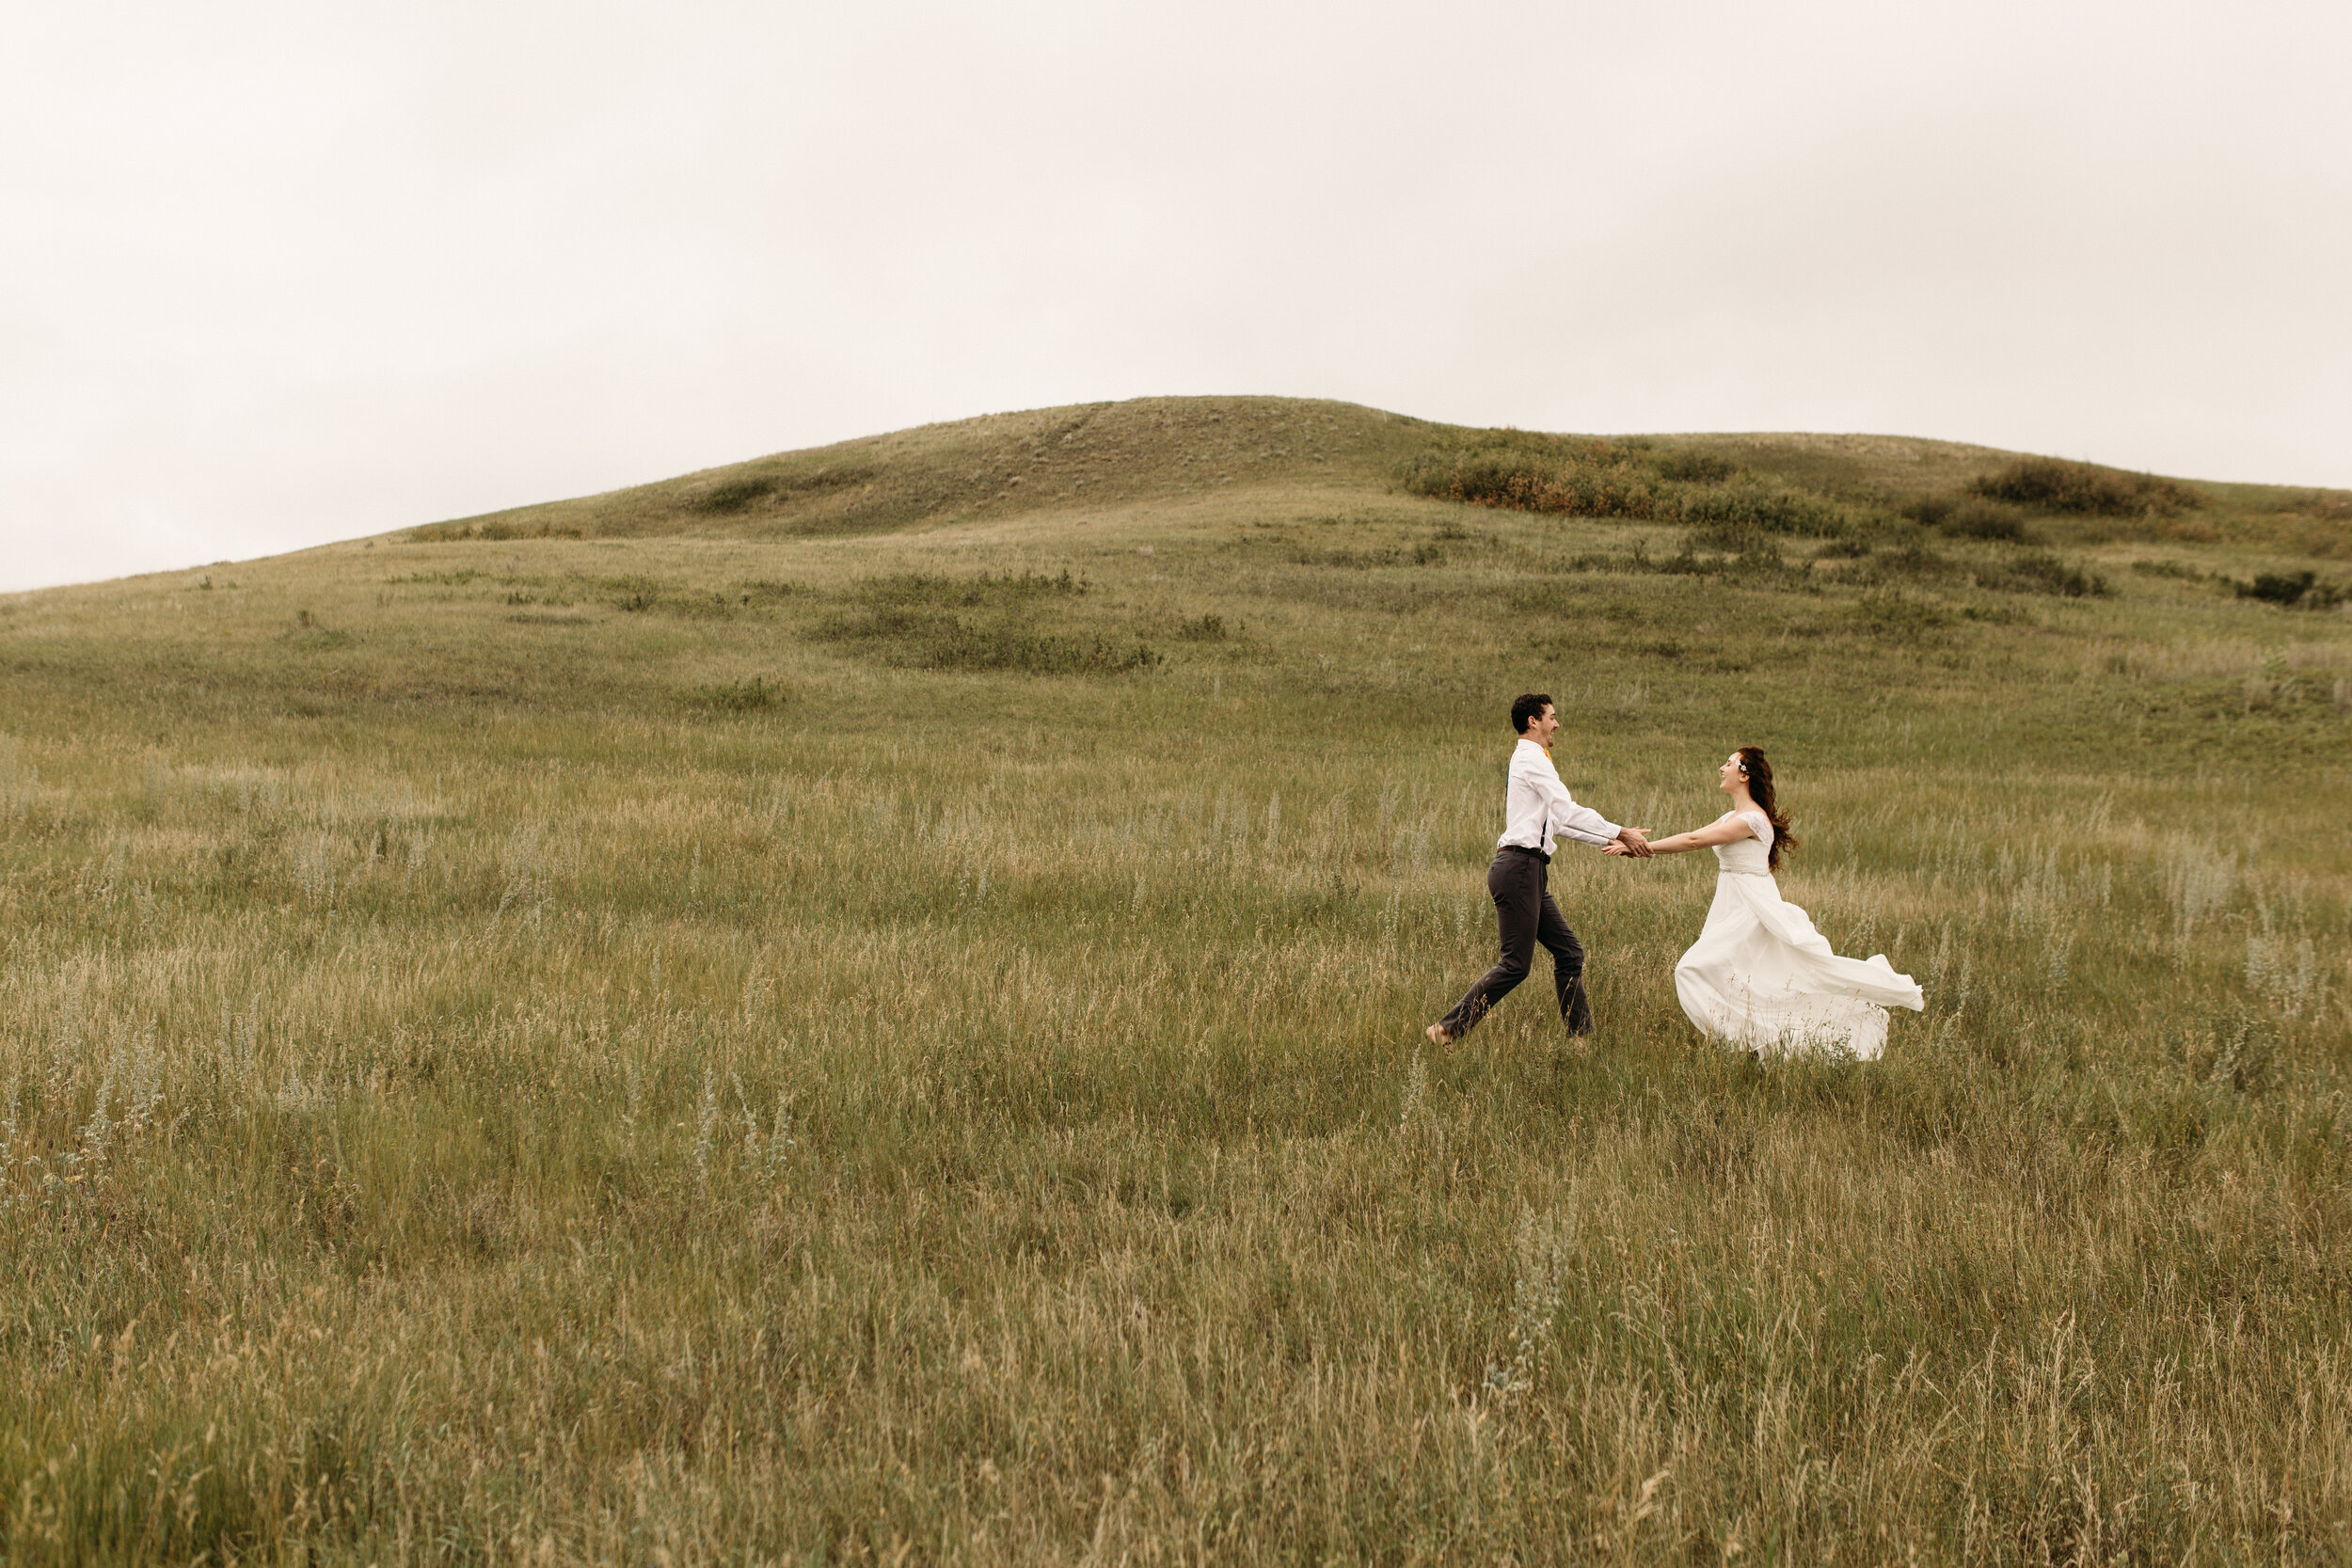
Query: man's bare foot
{"points": [[1437, 1035]]}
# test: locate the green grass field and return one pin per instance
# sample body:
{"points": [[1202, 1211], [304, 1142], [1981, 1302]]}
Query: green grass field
{"points": [[868, 1005]]}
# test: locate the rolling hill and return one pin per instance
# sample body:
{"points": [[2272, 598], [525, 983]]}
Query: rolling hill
{"points": [[1171, 450], [866, 1004]]}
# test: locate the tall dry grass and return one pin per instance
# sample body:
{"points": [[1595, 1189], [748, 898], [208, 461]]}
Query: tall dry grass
{"points": [[470, 1095]]}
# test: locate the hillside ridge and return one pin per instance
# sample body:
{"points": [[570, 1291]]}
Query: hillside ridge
{"points": [[994, 467]]}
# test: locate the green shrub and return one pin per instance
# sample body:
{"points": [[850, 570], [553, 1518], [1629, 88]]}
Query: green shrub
{"points": [[1603, 481], [1691, 465], [2281, 588], [1969, 516], [1912, 562], [2055, 484], [1755, 504], [2040, 572], [1523, 480], [2294, 590]]}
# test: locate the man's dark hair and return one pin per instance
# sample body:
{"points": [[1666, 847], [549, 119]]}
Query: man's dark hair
{"points": [[1529, 708]]}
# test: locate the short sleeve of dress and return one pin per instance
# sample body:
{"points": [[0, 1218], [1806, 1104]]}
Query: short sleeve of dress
{"points": [[1760, 825]]}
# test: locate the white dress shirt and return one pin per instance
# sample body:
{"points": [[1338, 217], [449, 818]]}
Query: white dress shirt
{"points": [[1537, 805]]}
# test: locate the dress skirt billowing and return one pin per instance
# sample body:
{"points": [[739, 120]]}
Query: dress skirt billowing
{"points": [[1760, 977]]}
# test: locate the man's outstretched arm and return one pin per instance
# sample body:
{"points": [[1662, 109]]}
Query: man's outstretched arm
{"points": [[1583, 823]]}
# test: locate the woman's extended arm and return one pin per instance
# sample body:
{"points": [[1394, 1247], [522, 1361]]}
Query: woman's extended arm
{"points": [[1727, 830]]}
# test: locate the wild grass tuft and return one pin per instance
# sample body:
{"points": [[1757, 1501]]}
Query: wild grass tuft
{"points": [[751, 694], [980, 623]]}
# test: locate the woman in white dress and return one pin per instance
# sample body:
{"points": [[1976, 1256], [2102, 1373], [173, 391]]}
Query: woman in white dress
{"points": [[1760, 977]]}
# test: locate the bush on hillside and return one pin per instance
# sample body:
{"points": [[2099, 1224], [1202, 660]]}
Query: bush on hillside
{"points": [[1605, 480], [1912, 562], [1969, 516], [2040, 572], [1693, 466], [2054, 484], [2292, 590], [1523, 480], [1755, 504], [2277, 587]]}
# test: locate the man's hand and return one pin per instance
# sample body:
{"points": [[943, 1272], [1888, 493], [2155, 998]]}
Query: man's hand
{"points": [[1636, 843]]}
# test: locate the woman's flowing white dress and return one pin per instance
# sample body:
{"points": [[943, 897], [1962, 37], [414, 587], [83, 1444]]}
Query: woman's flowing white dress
{"points": [[1762, 978]]}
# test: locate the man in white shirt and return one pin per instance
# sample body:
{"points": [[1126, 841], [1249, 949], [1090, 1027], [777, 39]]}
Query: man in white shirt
{"points": [[1536, 806]]}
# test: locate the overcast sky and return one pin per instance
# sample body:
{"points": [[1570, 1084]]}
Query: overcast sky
{"points": [[277, 274]]}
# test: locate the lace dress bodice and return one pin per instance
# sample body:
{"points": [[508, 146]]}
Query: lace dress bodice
{"points": [[1748, 857]]}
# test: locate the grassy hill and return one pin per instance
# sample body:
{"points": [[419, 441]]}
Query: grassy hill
{"points": [[1172, 450], [867, 1004]]}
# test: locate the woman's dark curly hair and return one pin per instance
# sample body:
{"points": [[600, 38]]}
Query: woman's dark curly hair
{"points": [[1758, 773]]}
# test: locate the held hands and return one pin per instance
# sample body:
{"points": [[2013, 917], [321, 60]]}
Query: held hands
{"points": [[1632, 842]]}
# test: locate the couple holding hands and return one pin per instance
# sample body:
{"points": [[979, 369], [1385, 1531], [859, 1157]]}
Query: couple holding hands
{"points": [[1760, 977]]}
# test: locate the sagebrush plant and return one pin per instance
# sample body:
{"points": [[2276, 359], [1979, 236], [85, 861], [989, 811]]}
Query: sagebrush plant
{"points": [[471, 1091]]}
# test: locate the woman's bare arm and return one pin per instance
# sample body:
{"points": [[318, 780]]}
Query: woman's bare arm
{"points": [[1727, 830]]}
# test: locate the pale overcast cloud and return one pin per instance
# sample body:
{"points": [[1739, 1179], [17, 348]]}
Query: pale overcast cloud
{"points": [[279, 274]]}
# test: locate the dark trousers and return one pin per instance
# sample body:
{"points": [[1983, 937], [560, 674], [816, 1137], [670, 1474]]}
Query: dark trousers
{"points": [[1525, 915]]}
